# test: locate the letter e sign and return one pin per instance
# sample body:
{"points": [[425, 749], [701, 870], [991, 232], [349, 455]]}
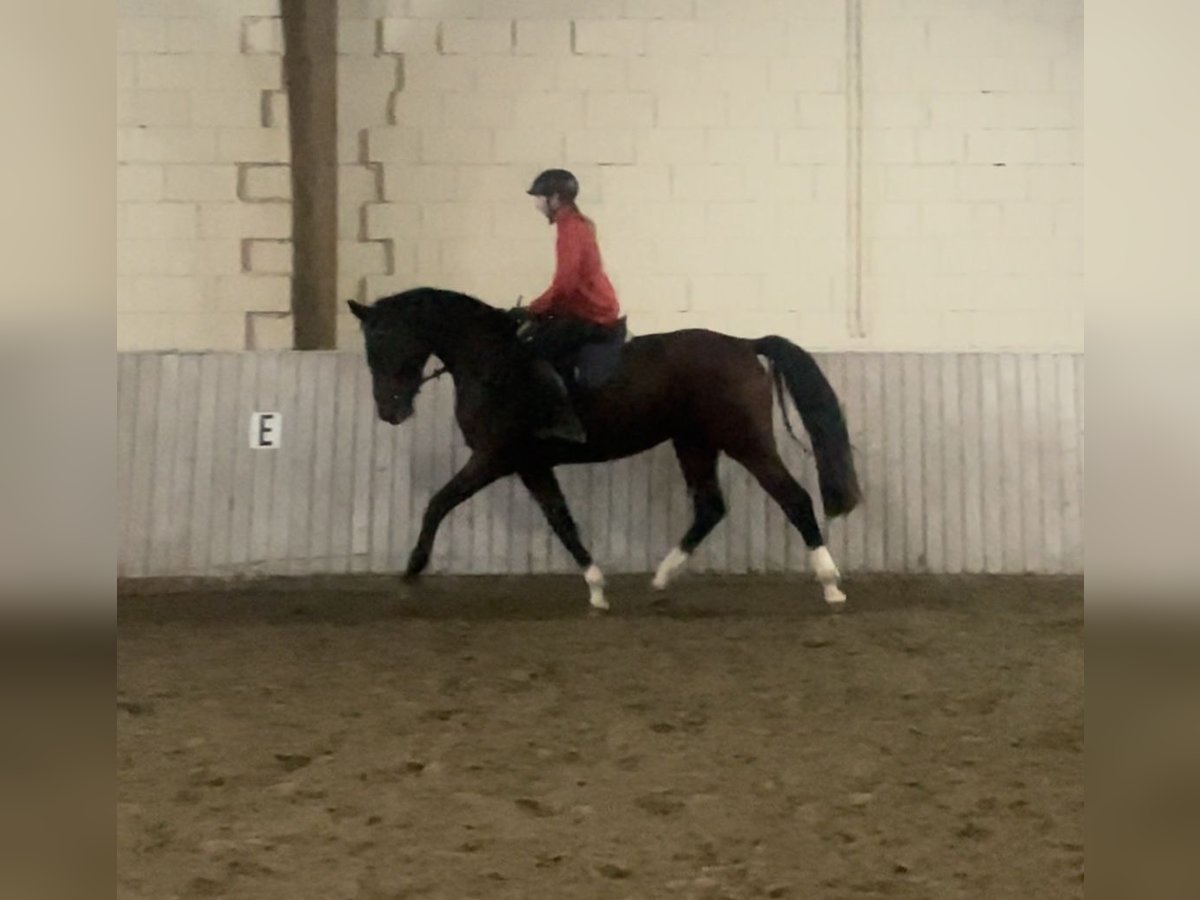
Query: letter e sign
{"points": [[265, 430]]}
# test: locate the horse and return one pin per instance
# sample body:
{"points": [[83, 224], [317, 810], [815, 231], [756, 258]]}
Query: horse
{"points": [[706, 392]]}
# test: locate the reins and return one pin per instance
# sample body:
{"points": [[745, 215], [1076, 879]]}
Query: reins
{"points": [[436, 373]]}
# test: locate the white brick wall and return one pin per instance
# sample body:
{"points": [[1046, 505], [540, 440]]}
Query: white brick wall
{"points": [[542, 38], [975, 137], [200, 142], [245, 220], [609, 38], [265, 183], [710, 137], [376, 117], [476, 36], [200, 183], [269, 257], [402, 35]]}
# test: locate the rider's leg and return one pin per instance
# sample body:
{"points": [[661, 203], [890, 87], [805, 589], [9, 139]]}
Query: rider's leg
{"points": [[551, 344]]}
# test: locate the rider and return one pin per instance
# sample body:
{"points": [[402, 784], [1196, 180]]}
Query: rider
{"points": [[580, 303]]}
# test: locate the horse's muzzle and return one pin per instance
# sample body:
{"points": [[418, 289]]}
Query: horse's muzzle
{"points": [[395, 415]]}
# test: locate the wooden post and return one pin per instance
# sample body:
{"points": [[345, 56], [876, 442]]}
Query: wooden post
{"points": [[310, 75]]}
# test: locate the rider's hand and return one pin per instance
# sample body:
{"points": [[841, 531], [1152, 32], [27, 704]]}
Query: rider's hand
{"points": [[520, 314]]}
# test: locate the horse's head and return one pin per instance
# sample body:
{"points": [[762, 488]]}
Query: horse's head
{"points": [[396, 355]]}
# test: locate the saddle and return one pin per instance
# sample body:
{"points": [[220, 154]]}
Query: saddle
{"points": [[583, 363], [597, 360]]}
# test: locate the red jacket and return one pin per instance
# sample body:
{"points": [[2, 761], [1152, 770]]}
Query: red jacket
{"points": [[580, 287]]}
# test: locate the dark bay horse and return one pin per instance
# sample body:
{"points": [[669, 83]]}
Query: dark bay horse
{"points": [[706, 392]]}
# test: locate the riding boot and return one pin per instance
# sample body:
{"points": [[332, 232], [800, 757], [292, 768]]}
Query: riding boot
{"points": [[564, 424]]}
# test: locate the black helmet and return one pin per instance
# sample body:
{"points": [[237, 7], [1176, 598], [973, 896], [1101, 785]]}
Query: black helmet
{"points": [[555, 181]]}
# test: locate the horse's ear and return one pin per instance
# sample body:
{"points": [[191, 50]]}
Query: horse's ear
{"points": [[361, 312]]}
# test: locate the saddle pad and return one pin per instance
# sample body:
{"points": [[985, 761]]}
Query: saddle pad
{"points": [[598, 360]]}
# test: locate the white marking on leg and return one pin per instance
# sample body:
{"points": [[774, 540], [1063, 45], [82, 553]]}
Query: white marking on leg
{"points": [[595, 581], [827, 573], [671, 563]]}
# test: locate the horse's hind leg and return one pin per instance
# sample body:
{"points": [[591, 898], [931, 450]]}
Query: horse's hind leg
{"points": [[545, 488], [699, 464], [764, 464]]}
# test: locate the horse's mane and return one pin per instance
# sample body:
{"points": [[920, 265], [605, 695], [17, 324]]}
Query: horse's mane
{"points": [[435, 307]]}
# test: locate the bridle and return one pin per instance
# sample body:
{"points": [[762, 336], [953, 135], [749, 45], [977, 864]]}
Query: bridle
{"points": [[436, 373]]}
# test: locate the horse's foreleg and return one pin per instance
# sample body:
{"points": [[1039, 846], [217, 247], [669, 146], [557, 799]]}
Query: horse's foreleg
{"points": [[545, 488], [480, 471]]}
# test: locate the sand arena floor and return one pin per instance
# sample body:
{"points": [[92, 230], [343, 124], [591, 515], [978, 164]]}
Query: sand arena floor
{"points": [[484, 738]]}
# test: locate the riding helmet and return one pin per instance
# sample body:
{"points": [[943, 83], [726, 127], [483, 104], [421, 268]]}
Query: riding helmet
{"points": [[555, 181]]}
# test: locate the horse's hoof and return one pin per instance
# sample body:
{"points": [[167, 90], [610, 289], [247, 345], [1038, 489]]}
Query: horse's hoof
{"points": [[416, 565], [596, 612], [669, 568], [835, 599]]}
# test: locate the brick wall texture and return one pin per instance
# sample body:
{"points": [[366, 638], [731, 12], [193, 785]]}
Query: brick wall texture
{"points": [[720, 144], [203, 184]]}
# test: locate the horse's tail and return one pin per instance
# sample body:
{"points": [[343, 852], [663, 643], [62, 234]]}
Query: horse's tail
{"points": [[823, 419]]}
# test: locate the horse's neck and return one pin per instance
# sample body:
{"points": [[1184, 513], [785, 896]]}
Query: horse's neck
{"points": [[474, 356]]}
